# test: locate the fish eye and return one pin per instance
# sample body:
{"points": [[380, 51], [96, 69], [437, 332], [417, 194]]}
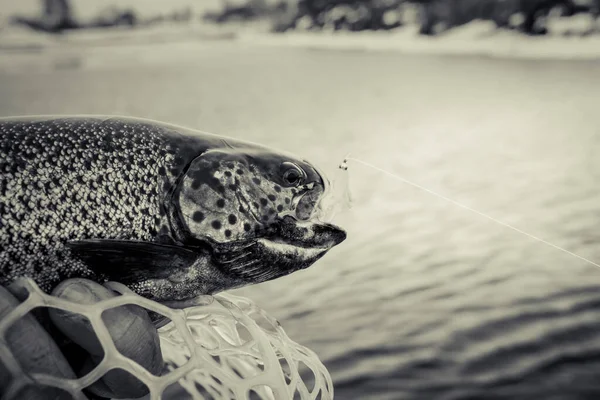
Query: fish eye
{"points": [[293, 175]]}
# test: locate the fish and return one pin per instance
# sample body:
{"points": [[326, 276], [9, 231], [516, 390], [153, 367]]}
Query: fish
{"points": [[171, 212]]}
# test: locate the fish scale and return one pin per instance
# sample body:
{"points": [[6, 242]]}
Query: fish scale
{"points": [[86, 193]]}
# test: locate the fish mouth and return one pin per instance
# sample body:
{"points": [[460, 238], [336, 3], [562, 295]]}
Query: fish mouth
{"points": [[289, 249], [296, 242], [307, 234], [293, 246]]}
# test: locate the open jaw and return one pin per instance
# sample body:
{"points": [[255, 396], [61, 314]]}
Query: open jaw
{"points": [[291, 248], [288, 249]]}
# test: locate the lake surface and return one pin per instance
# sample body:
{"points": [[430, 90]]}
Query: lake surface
{"points": [[425, 300]]}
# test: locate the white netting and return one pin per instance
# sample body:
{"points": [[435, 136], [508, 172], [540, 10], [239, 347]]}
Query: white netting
{"points": [[226, 349]]}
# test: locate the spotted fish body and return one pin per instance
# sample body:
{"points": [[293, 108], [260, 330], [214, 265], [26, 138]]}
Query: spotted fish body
{"points": [[170, 212]]}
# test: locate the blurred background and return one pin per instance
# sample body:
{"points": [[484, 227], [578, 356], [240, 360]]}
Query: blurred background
{"points": [[431, 16], [493, 103]]}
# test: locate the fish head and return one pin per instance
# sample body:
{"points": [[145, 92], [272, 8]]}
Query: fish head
{"points": [[255, 211]]}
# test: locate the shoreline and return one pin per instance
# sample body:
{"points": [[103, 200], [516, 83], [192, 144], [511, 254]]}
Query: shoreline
{"points": [[478, 39], [475, 39]]}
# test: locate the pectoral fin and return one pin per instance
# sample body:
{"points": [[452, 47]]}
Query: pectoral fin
{"points": [[129, 261]]}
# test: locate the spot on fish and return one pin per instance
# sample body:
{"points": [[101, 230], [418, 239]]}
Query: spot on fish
{"points": [[256, 180], [230, 166], [198, 216], [216, 224], [263, 202], [239, 172], [227, 233], [232, 219], [228, 174], [280, 208], [265, 217], [277, 188], [232, 187], [247, 227], [220, 203], [272, 197], [287, 200]]}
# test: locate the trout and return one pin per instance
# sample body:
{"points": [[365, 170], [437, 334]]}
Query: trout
{"points": [[170, 212]]}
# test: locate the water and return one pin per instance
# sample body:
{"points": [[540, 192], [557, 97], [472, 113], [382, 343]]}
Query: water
{"points": [[424, 300]]}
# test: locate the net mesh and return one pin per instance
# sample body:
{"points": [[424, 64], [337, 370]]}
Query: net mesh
{"points": [[227, 348]]}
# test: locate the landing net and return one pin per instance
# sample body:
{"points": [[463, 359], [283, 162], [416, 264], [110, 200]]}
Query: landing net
{"points": [[226, 349]]}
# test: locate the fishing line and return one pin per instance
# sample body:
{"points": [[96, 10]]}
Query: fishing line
{"points": [[344, 166]]}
